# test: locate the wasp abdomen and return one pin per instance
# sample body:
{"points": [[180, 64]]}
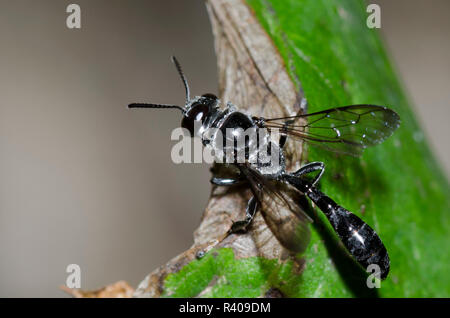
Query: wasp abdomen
{"points": [[358, 237]]}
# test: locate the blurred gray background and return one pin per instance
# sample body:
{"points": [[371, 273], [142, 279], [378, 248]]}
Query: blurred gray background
{"points": [[86, 181]]}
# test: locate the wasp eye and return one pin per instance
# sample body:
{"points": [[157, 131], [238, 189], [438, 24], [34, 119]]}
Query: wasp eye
{"points": [[209, 96], [197, 112]]}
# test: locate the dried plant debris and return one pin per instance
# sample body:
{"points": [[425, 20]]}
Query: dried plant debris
{"points": [[253, 77], [120, 289]]}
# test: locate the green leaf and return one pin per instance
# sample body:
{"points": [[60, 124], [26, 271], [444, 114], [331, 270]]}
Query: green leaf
{"points": [[397, 187], [228, 277]]}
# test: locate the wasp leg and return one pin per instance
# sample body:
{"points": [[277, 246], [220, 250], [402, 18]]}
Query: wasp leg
{"points": [[283, 133], [310, 167], [226, 181], [250, 211], [282, 141], [303, 105]]}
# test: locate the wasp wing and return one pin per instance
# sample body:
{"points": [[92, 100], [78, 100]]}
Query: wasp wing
{"points": [[347, 129], [281, 209]]}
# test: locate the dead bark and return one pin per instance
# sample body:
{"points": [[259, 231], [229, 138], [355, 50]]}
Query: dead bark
{"points": [[253, 77], [119, 289]]}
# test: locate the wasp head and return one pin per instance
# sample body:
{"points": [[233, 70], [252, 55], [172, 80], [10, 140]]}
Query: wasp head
{"points": [[198, 108]]}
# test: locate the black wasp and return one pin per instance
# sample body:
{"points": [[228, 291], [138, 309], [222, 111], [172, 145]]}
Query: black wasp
{"points": [[346, 130]]}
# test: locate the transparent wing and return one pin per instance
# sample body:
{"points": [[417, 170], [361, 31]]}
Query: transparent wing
{"points": [[347, 129], [281, 209]]}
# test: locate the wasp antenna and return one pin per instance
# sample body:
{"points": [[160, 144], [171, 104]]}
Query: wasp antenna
{"points": [[183, 78], [145, 105]]}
